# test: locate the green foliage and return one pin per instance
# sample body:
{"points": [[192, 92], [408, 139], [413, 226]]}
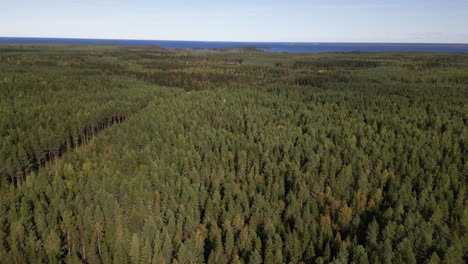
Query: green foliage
{"points": [[263, 158]]}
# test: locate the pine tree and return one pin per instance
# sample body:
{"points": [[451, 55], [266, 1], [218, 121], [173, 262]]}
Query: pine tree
{"points": [[360, 256], [135, 249], [52, 246], [372, 233], [146, 252], [255, 258]]}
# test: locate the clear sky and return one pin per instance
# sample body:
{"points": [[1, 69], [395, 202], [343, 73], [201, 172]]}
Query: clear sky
{"points": [[240, 20]]}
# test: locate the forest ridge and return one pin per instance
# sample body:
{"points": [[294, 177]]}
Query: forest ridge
{"points": [[114, 154]]}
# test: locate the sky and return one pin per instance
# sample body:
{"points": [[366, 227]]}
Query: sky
{"points": [[422, 21]]}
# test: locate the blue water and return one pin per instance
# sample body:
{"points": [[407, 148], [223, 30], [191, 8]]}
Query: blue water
{"points": [[289, 47]]}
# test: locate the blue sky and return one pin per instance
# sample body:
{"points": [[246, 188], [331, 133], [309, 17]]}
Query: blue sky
{"points": [[441, 21]]}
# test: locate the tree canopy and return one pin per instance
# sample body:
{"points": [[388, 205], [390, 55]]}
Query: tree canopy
{"points": [[142, 155]]}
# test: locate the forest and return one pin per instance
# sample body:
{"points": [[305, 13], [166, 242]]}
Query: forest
{"points": [[126, 154]]}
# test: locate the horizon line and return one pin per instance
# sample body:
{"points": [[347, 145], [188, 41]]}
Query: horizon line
{"points": [[240, 41]]}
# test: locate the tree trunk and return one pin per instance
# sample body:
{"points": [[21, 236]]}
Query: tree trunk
{"points": [[84, 249], [99, 247]]}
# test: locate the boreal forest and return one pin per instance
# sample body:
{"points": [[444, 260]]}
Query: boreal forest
{"points": [[121, 154]]}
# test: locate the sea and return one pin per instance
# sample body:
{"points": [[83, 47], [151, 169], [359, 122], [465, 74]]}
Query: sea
{"points": [[289, 47]]}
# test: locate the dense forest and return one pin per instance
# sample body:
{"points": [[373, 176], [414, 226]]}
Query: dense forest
{"points": [[112, 154]]}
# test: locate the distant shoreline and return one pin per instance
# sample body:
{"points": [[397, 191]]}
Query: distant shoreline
{"points": [[231, 49], [376, 44], [266, 42], [288, 47]]}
